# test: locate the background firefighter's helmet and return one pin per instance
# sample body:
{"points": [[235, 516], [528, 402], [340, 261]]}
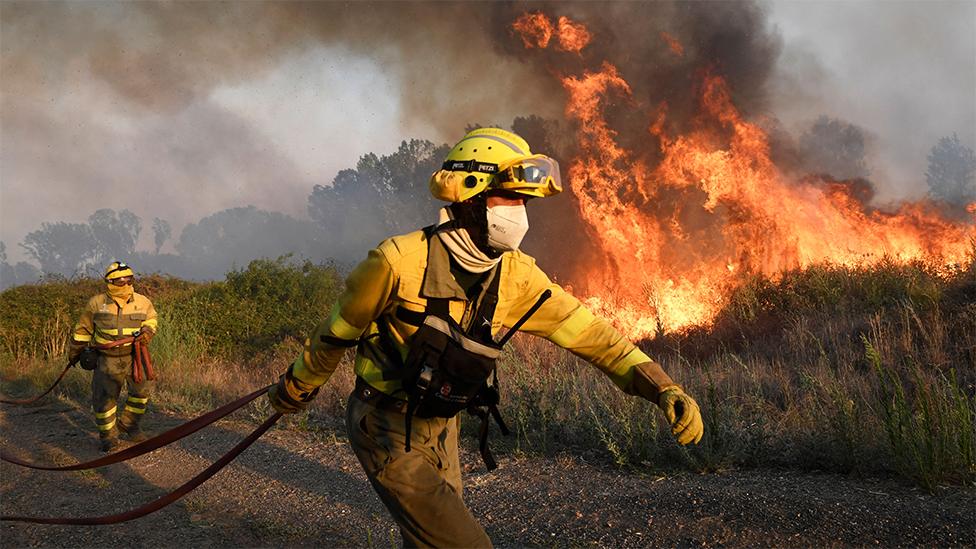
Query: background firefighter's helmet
{"points": [[493, 158], [118, 269]]}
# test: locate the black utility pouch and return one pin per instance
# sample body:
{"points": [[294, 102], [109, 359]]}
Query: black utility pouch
{"points": [[88, 359], [445, 369]]}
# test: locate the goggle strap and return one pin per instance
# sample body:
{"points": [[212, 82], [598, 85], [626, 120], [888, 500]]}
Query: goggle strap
{"points": [[120, 267], [470, 166]]}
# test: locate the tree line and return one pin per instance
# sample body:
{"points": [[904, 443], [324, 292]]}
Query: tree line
{"points": [[384, 195]]}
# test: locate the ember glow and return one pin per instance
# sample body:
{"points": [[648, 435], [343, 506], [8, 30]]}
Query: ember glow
{"points": [[677, 237], [673, 44]]}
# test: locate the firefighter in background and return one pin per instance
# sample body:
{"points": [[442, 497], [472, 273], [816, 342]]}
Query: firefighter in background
{"points": [[117, 313], [424, 309]]}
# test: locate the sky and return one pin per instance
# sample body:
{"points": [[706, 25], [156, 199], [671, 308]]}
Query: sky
{"points": [[180, 110], [903, 71]]}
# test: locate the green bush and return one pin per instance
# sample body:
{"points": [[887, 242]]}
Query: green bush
{"points": [[257, 308], [253, 310]]}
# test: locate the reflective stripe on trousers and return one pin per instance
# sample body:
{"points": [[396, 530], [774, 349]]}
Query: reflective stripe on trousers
{"points": [[107, 381]]}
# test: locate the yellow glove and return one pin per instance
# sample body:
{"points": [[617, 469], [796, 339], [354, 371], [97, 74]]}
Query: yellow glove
{"points": [[683, 414], [291, 395], [650, 381]]}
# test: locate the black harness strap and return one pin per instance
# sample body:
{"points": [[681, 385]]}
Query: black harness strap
{"points": [[413, 318], [480, 330], [336, 342]]}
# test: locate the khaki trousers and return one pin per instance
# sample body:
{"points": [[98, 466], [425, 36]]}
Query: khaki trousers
{"points": [[421, 488], [107, 381]]}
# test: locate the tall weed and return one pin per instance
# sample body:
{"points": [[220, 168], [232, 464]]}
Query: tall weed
{"points": [[929, 421]]}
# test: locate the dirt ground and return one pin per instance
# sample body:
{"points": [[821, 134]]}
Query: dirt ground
{"points": [[295, 489]]}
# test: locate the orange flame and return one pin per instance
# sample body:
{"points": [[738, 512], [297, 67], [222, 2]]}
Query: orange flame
{"points": [[573, 36], [536, 31], [673, 44], [730, 212], [534, 28]]}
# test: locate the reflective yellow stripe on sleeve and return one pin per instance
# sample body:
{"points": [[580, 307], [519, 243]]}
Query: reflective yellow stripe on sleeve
{"points": [[340, 328], [572, 327], [152, 324], [631, 359], [301, 373], [82, 338]]}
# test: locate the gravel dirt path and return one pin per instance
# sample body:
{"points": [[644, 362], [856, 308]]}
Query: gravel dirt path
{"points": [[295, 489]]}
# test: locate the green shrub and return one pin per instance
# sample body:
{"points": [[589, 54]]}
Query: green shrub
{"points": [[929, 421], [259, 307], [253, 310]]}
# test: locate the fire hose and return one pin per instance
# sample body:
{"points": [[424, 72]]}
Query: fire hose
{"points": [[154, 443], [42, 395], [142, 367]]}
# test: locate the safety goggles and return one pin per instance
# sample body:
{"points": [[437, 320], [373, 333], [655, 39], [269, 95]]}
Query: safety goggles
{"points": [[122, 280], [538, 174]]}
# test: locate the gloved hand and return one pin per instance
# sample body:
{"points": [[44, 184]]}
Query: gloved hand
{"points": [[74, 350], [146, 335], [650, 381], [683, 414], [291, 395]]}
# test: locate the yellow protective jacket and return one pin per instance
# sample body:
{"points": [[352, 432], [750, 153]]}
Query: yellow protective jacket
{"points": [[396, 275], [104, 321]]}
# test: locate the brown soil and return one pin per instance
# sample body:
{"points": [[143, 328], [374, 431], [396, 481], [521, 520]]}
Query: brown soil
{"points": [[292, 488]]}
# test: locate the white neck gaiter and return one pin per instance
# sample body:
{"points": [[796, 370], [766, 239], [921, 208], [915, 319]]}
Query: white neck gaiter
{"points": [[458, 242], [507, 226]]}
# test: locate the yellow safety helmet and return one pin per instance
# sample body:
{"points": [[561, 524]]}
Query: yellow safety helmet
{"points": [[492, 158], [118, 269]]}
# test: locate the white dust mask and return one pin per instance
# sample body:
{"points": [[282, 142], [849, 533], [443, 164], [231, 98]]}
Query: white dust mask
{"points": [[507, 226]]}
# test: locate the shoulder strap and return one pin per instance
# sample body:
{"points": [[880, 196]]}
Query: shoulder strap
{"points": [[439, 306], [481, 327]]}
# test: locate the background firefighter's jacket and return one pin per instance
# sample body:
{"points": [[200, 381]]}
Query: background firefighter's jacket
{"points": [[384, 293], [104, 320]]}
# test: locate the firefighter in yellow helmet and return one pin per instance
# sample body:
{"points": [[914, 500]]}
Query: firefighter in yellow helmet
{"points": [[117, 313], [425, 310]]}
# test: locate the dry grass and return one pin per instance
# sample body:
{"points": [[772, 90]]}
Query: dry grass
{"points": [[861, 371]]}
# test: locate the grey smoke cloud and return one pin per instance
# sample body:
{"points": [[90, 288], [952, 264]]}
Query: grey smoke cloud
{"points": [[903, 71], [176, 110]]}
